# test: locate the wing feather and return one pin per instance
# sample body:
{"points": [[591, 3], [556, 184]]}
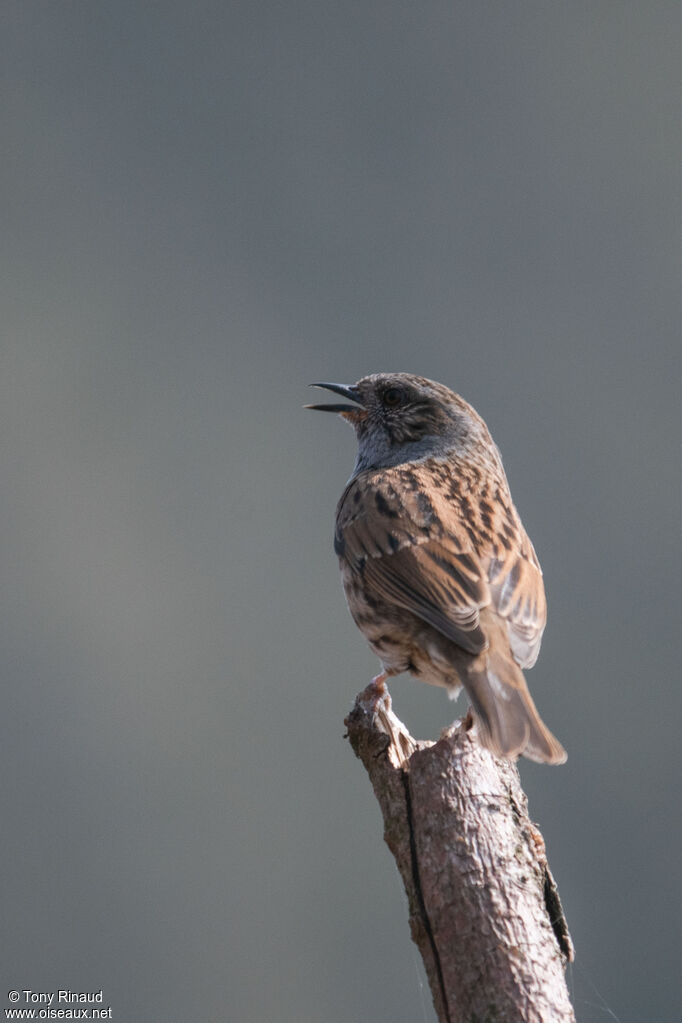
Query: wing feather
{"points": [[427, 580], [518, 596], [431, 566]]}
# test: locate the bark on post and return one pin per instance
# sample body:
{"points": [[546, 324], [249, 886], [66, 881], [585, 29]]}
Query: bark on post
{"points": [[484, 908]]}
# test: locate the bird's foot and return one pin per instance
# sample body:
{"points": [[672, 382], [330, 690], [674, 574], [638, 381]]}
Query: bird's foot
{"points": [[466, 723], [379, 682]]}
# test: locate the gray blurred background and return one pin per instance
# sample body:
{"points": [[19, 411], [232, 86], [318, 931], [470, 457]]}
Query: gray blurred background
{"points": [[207, 206]]}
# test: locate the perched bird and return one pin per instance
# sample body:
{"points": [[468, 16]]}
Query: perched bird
{"points": [[438, 571]]}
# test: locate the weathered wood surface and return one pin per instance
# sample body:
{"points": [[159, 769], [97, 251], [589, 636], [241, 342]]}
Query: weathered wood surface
{"points": [[484, 909]]}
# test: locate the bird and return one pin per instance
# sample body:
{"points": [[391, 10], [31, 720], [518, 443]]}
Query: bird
{"points": [[438, 572]]}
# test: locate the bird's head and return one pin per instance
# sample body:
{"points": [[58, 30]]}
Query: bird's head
{"points": [[399, 418]]}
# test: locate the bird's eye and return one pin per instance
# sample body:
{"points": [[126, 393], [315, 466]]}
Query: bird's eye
{"points": [[392, 397]]}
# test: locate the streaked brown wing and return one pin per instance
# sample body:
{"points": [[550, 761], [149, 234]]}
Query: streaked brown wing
{"points": [[434, 570], [437, 579], [518, 596], [443, 588]]}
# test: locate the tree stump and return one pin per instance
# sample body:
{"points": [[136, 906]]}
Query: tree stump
{"points": [[484, 908]]}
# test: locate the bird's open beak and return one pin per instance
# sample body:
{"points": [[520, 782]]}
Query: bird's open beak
{"points": [[347, 391]]}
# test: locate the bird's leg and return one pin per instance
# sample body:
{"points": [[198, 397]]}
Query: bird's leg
{"points": [[380, 681], [378, 702]]}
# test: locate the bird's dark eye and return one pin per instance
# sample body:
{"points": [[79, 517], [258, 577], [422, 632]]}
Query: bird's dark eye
{"points": [[392, 397]]}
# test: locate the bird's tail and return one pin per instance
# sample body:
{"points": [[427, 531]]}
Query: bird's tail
{"points": [[507, 720]]}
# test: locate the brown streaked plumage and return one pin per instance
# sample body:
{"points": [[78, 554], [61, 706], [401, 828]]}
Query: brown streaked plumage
{"points": [[437, 568]]}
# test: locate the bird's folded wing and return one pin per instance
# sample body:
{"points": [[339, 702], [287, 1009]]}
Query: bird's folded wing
{"points": [[443, 588], [445, 579], [518, 596]]}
